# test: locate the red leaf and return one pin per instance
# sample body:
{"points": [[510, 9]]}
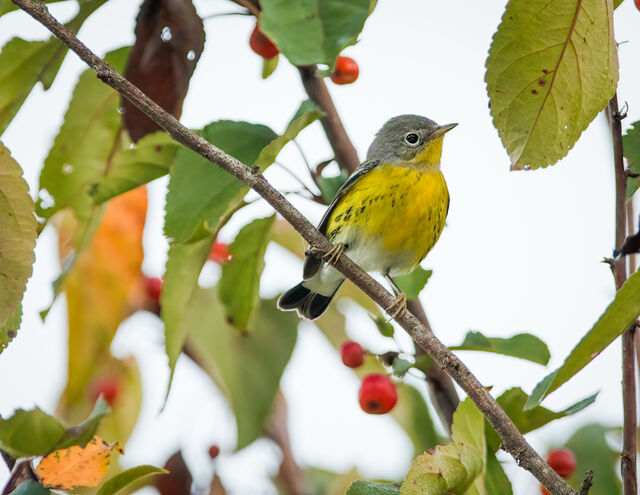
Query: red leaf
{"points": [[169, 42]]}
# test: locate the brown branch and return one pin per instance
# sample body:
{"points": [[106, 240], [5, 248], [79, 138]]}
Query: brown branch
{"points": [[343, 149], [290, 475], [512, 440], [628, 457], [20, 472]]}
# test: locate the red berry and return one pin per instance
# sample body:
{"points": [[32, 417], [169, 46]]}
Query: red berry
{"points": [[346, 71], [107, 386], [562, 461], [377, 394], [153, 290], [219, 252], [637, 2], [352, 354], [153, 287], [262, 45], [214, 451], [543, 490]]}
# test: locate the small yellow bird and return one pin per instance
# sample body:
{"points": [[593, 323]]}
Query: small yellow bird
{"points": [[386, 217]]}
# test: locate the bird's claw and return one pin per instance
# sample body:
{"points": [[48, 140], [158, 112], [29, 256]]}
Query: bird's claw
{"points": [[333, 255], [401, 303]]}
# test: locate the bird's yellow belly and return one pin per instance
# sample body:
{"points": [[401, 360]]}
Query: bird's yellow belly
{"points": [[397, 211]]}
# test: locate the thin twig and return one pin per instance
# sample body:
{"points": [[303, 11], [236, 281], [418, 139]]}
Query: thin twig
{"points": [[628, 457], [345, 153], [586, 483], [512, 440]]}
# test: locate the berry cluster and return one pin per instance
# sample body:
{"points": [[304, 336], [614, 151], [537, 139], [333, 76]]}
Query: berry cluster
{"points": [[378, 393], [345, 72]]}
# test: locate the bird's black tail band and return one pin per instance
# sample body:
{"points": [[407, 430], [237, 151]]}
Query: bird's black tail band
{"points": [[309, 304]]}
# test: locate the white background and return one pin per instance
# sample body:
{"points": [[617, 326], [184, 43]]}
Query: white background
{"points": [[521, 251]]}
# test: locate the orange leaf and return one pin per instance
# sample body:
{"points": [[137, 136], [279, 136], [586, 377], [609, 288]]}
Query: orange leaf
{"points": [[77, 466], [102, 289]]}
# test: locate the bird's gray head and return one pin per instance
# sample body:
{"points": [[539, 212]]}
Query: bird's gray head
{"points": [[409, 138]]}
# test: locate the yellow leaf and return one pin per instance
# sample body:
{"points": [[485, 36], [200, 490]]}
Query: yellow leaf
{"points": [[77, 466]]}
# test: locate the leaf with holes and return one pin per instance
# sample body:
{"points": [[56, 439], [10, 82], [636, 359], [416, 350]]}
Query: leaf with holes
{"points": [[240, 280], [523, 346], [552, 67], [77, 466], [17, 242]]}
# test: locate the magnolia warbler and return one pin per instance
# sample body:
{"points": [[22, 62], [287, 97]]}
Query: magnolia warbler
{"points": [[386, 217]]}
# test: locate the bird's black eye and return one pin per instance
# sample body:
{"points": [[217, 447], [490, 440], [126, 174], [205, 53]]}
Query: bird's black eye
{"points": [[412, 138]]}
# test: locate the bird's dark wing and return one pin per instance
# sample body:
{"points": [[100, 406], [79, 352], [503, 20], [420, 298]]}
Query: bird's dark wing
{"points": [[312, 263]]}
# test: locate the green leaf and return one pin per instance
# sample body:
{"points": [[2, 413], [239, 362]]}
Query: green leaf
{"points": [[307, 113], [30, 487], [401, 366], [373, 488], [29, 433], [495, 478], [24, 63], [594, 453], [449, 468], [200, 192], [184, 264], [384, 327], [552, 67], [631, 147], [468, 427], [413, 416], [17, 240], [412, 283], [312, 31], [84, 432], [240, 280], [620, 314], [149, 159], [21, 65], [9, 330], [125, 478], [513, 401], [523, 346], [247, 367], [269, 65], [84, 148], [329, 186]]}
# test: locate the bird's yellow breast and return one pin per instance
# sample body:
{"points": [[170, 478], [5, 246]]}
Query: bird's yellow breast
{"points": [[403, 207]]}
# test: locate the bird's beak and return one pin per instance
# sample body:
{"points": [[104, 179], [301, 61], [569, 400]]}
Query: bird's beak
{"points": [[441, 130]]}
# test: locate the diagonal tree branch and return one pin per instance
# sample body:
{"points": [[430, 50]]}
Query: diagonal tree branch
{"points": [[512, 440]]}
